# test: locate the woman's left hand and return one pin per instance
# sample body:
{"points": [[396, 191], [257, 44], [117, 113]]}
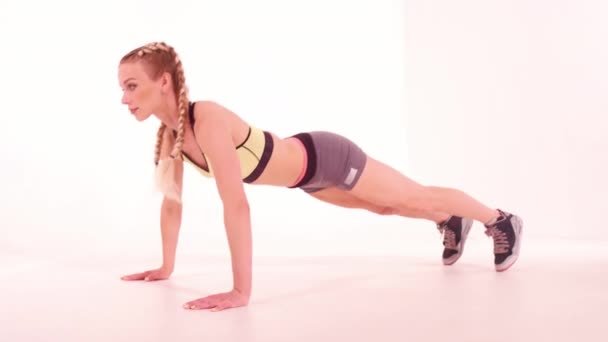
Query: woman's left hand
{"points": [[218, 302]]}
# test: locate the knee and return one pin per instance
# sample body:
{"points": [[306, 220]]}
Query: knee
{"points": [[386, 211], [380, 210]]}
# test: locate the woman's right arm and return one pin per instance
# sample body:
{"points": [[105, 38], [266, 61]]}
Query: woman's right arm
{"points": [[170, 222], [171, 210]]}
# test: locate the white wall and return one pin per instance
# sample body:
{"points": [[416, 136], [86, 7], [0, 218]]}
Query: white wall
{"points": [[507, 100], [284, 66], [504, 100]]}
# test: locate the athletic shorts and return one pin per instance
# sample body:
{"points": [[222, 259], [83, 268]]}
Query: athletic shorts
{"points": [[333, 160]]}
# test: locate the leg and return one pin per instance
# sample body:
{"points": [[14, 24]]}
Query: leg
{"points": [[454, 229], [346, 199], [384, 186], [339, 162]]}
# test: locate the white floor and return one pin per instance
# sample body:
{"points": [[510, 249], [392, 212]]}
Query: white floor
{"points": [[559, 292]]}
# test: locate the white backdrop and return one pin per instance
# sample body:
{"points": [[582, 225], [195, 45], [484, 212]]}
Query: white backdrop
{"points": [[80, 176], [507, 99], [504, 100]]}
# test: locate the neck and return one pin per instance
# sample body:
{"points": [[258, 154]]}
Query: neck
{"points": [[168, 112]]}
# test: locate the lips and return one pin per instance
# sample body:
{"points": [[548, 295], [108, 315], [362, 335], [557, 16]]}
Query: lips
{"points": [[133, 110]]}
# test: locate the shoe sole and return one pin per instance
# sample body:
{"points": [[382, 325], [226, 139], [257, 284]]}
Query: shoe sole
{"points": [[518, 228], [463, 239]]}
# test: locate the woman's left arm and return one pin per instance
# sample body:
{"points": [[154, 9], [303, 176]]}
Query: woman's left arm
{"points": [[214, 136]]}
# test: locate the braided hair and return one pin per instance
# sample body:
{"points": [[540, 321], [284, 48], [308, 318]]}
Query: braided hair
{"points": [[158, 58]]}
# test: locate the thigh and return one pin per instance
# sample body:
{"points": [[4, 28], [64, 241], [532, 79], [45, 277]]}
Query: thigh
{"points": [[337, 197], [345, 199], [383, 185]]}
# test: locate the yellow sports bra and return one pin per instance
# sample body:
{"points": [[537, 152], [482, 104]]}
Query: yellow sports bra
{"points": [[253, 153]]}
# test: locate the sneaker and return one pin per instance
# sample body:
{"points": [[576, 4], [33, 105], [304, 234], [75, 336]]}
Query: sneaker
{"points": [[455, 231], [506, 232]]}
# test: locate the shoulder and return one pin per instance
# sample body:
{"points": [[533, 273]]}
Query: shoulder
{"points": [[208, 109], [211, 115], [211, 121]]}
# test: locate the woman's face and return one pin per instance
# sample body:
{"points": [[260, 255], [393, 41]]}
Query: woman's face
{"points": [[140, 93]]}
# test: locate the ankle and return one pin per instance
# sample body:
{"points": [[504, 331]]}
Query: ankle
{"points": [[497, 216], [442, 219]]}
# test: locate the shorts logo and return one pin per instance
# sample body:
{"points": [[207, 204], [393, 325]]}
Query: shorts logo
{"points": [[351, 176]]}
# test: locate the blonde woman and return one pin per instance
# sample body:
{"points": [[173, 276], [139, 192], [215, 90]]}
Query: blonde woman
{"points": [[327, 166]]}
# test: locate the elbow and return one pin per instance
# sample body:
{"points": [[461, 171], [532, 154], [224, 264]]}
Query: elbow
{"points": [[242, 206], [171, 207], [238, 207]]}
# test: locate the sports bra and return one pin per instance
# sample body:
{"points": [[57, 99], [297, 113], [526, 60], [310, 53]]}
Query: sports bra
{"points": [[253, 153]]}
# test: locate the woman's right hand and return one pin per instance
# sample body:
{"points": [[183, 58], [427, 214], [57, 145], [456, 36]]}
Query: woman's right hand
{"points": [[151, 275]]}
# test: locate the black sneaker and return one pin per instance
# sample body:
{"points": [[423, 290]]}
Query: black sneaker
{"points": [[455, 231], [506, 232]]}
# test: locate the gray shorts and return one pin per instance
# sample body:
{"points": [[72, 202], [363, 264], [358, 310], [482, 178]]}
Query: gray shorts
{"points": [[333, 160]]}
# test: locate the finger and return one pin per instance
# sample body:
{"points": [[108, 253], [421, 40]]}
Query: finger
{"points": [[136, 276], [222, 306], [152, 276], [202, 303]]}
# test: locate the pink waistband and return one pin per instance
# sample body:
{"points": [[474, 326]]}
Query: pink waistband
{"points": [[304, 162]]}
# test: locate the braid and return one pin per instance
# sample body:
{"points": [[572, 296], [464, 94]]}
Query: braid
{"points": [[183, 107], [159, 142], [179, 84], [160, 58], [152, 47]]}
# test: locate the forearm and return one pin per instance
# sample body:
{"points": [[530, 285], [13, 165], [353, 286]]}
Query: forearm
{"points": [[238, 229], [170, 221]]}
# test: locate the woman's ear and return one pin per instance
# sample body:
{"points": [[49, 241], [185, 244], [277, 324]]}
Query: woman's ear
{"points": [[165, 83]]}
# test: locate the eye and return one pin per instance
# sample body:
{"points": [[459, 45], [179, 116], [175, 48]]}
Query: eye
{"points": [[131, 86]]}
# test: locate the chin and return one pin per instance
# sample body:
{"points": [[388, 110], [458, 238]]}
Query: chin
{"points": [[141, 118]]}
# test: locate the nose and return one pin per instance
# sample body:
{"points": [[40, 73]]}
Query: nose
{"points": [[125, 100]]}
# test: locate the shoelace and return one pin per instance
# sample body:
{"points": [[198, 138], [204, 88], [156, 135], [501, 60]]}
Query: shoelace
{"points": [[449, 237], [501, 242]]}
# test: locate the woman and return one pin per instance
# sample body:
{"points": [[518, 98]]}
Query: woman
{"points": [[327, 166]]}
